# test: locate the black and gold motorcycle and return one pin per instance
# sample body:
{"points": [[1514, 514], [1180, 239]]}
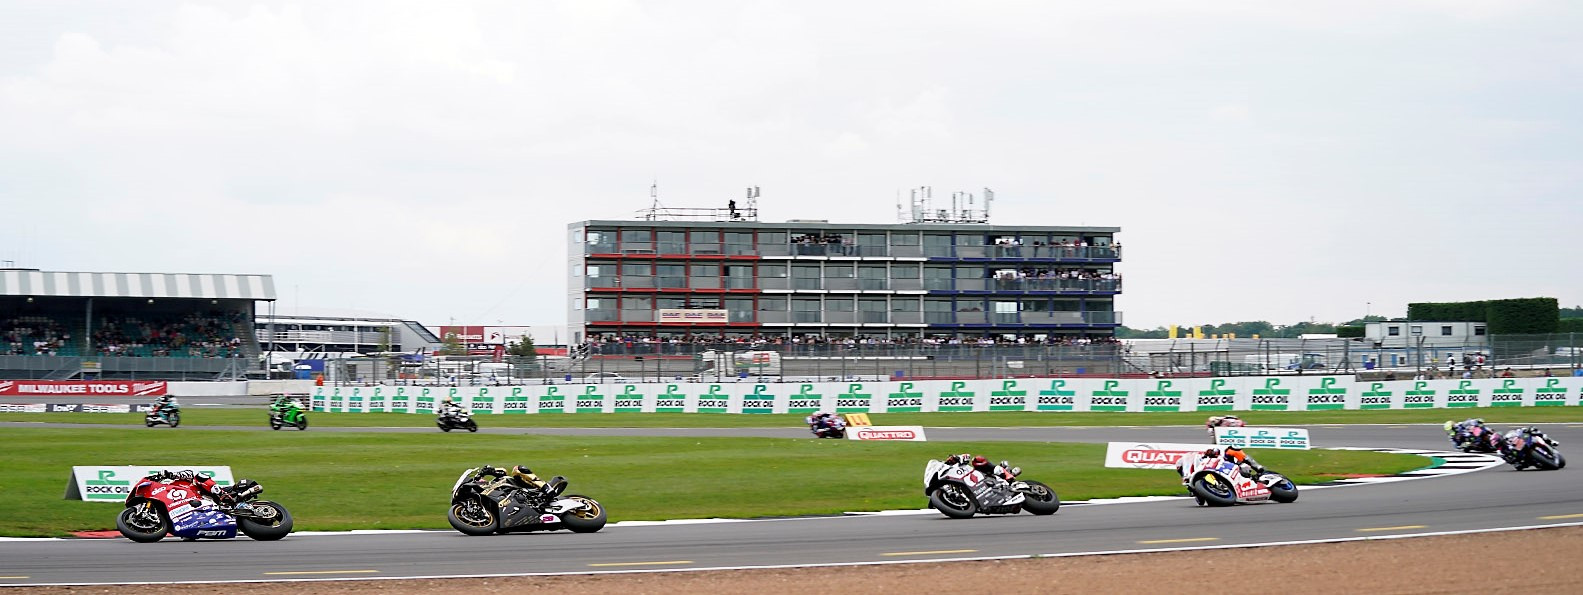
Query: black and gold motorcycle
{"points": [[489, 500]]}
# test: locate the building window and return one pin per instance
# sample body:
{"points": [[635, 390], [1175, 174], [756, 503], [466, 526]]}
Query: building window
{"points": [[904, 271], [1418, 330], [1478, 331], [1005, 307], [1445, 330], [1394, 331]]}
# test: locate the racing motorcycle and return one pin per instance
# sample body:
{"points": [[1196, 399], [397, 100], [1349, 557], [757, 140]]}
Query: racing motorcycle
{"points": [[456, 418], [1215, 481], [1529, 447], [157, 507], [959, 491], [168, 413], [289, 413], [483, 503], [1473, 438], [833, 426]]}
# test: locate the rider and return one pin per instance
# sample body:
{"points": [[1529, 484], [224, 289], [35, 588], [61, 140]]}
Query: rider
{"points": [[1466, 430], [981, 464], [821, 420], [449, 408], [1226, 421], [162, 403], [203, 481], [1512, 454], [520, 475], [1250, 467]]}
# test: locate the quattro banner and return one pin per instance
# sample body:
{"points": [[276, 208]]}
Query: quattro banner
{"points": [[1207, 395], [1149, 455]]}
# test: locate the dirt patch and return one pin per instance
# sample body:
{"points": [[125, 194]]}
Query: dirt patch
{"points": [[1448, 564]]}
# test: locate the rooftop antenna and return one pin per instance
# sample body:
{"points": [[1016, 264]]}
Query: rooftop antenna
{"points": [[654, 200]]}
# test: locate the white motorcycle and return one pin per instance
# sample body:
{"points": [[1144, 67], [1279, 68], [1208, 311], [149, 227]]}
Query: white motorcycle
{"points": [[1215, 481], [960, 491]]}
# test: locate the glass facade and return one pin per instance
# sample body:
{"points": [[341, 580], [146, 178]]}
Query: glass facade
{"points": [[854, 280]]}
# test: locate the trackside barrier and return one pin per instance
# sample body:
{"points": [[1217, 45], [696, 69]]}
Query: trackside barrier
{"points": [[1282, 393]]}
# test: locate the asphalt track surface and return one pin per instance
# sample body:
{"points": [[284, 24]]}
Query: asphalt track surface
{"points": [[1491, 499]]}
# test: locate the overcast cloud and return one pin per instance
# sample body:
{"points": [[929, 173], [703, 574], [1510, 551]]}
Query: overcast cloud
{"points": [[423, 159]]}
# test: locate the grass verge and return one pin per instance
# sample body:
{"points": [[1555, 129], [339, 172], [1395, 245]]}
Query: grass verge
{"points": [[238, 416], [398, 481]]}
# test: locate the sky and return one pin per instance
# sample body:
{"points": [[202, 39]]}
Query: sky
{"points": [[1264, 161]]}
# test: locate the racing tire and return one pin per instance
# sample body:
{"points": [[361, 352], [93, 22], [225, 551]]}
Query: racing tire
{"points": [[585, 521], [148, 421], [1283, 491], [276, 527], [1545, 458], [174, 419], [274, 423], [953, 500], [1040, 499], [472, 426], [480, 518], [139, 530], [1219, 494], [302, 423], [444, 427]]}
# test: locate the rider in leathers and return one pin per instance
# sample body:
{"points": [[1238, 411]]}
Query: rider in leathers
{"points": [[980, 463], [204, 482], [520, 476]]}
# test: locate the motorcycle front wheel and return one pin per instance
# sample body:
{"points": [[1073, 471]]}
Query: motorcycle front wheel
{"points": [[1283, 491], [1216, 492], [1040, 499], [143, 523], [473, 517], [589, 519], [953, 500], [175, 419], [1546, 458], [472, 426], [272, 523], [302, 423]]}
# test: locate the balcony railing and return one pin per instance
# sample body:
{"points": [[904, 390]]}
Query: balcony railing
{"points": [[996, 251]]}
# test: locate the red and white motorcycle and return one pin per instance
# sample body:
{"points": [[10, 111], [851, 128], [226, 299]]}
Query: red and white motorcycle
{"points": [[1215, 481]]}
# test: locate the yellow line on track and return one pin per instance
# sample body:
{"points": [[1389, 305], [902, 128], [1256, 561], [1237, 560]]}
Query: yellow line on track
{"points": [[319, 572], [926, 553], [1560, 516], [1187, 540], [642, 563], [1370, 529]]}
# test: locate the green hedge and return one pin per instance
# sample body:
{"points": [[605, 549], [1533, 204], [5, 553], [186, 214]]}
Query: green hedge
{"points": [[1521, 316], [1349, 332], [1570, 325]]}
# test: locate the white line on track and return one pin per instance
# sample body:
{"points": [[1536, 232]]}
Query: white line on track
{"points": [[837, 564]]}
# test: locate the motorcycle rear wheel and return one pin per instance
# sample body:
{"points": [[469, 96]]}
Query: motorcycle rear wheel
{"points": [[953, 500], [1218, 494], [444, 427], [473, 517], [276, 526], [587, 520], [1040, 499], [133, 522]]}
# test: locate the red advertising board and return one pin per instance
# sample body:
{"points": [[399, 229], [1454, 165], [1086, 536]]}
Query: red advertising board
{"points": [[96, 388]]}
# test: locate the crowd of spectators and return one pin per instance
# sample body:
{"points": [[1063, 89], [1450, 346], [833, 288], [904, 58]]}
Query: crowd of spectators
{"points": [[34, 335], [208, 334], [1057, 278]]}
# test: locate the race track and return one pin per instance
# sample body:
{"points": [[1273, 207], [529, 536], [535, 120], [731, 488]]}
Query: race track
{"points": [[1495, 498]]}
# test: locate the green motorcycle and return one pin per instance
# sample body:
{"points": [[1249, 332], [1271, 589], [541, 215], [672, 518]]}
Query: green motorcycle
{"points": [[288, 412]]}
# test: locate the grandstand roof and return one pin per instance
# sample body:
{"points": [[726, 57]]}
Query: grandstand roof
{"points": [[32, 283]]}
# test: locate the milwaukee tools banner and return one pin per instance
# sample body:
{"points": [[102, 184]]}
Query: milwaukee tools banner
{"points": [[93, 388]]}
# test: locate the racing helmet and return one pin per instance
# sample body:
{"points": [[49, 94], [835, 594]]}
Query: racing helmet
{"points": [[1449, 425], [1211, 452], [980, 461]]}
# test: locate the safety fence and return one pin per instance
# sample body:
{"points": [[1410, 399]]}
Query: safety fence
{"points": [[1276, 393]]}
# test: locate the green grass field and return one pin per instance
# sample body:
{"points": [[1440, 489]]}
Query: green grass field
{"points": [[238, 416], [388, 481]]}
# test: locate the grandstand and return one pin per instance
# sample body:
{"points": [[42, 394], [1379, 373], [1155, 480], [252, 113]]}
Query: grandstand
{"points": [[104, 326]]}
